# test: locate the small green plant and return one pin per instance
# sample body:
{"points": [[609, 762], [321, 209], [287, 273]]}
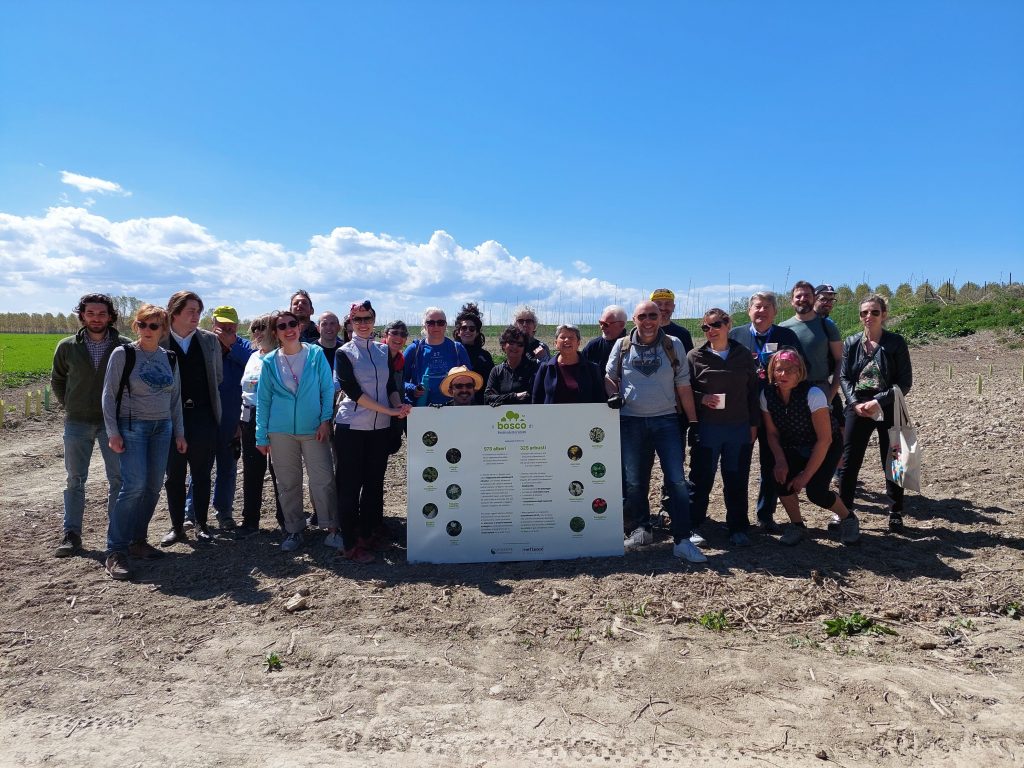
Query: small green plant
{"points": [[273, 662], [575, 635], [1013, 610], [714, 620], [637, 610], [802, 642], [855, 624], [957, 625]]}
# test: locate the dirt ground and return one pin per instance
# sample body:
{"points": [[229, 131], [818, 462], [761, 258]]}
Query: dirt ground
{"points": [[589, 662]]}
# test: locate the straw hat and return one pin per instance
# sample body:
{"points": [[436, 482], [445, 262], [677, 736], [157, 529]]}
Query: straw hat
{"points": [[458, 372]]}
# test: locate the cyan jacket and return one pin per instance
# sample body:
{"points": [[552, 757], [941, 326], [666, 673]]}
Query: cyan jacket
{"points": [[299, 413]]}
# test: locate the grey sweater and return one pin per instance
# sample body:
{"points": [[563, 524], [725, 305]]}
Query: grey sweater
{"points": [[153, 392]]}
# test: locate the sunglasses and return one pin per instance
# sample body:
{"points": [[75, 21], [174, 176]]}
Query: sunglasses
{"points": [[649, 316], [606, 323], [872, 312], [463, 386], [363, 319], [258, 329], [284, 325], [435, 323], [152, 326], [400, 334], [464, 328], [716, 324], [526, 321]]}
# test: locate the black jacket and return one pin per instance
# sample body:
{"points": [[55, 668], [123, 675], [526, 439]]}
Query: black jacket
{"points": [[893, 364]]}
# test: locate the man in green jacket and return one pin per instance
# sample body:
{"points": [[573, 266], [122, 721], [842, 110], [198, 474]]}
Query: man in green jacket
{"points": [[79, 364]]}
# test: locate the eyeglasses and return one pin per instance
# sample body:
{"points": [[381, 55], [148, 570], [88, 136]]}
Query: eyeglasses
{"points": [[284, 325], [649, 316], [470, 385], [435, 323], [714, 324], [400, 334], [827, 299], [363, 319], [606, 323], [152, 326], [872, 312], [526, 320]]}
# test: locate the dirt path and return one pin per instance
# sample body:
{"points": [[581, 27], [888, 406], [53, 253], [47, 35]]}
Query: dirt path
{"points": [[563, 663]]}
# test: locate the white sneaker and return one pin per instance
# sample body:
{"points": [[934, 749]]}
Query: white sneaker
{"points": [[291, 542], [687, 551], [333, 540], [640, 537], [697, 540]]}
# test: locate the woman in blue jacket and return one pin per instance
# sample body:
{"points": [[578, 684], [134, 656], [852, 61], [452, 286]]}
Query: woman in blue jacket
{"points": [[294, 403], [567, 377]]}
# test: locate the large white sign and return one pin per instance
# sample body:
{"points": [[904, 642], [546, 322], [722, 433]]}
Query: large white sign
{"points": [[521, 482]]}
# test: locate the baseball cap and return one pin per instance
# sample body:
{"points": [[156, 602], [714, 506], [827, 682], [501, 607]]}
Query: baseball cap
{"points": [[824, 288], [225, 315]]}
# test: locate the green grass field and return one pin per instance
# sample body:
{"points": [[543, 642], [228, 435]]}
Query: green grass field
{"points": [[26, 356]]}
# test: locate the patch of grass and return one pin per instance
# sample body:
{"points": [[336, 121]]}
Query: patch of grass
{"points": [[273, 662], [802, 642], [956, 626], [714, 620], [855, 624], [26, 356], [637, 610], [957, 320]]}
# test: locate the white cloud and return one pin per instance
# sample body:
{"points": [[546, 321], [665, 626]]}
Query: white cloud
{"points": [[582, 267], [91, 184], [49, 261]]}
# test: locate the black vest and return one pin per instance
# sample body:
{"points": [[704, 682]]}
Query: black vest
{"points": [[794, 420], [194, 383]]}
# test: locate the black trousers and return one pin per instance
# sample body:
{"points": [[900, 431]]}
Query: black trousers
{"points": [[362, 461], [254, 473], [817, 488], [201, 435], [855, 442]]}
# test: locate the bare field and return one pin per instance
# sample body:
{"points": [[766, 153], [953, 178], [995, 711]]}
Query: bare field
{"points": [[589, 662]]}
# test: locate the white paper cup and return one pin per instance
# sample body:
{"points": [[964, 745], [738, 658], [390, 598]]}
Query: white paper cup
{"points": [[721, 403]]}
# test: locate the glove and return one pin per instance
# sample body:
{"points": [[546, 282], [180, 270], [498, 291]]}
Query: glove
{"points": [[693, 436], [615, 402], [495, 404]]}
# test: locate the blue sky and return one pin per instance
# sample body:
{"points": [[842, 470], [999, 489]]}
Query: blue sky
{"points": [[568, 154]]}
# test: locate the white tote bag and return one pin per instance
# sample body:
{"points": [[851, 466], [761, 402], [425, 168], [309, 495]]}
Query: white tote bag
{"points": [[904, 464]]}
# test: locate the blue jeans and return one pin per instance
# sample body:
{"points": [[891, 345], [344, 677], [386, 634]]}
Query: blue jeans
{"points": [[143, 463], [641, 438], [767, 494], [730, 446], [79, 438]]}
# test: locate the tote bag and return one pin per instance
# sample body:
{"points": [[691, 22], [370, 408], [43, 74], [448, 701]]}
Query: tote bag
{"points": [[904, 464]]}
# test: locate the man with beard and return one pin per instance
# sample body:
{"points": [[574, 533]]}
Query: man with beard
{"points": [[302, 307], [461, 384], [79, 365], [666, 303], [819, 337]]}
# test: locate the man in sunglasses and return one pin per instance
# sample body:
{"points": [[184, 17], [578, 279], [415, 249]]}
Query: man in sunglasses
{"points": [[819, 338], [201, 367], [648, 379], [79, 365], [461, 384], [613, 328]]}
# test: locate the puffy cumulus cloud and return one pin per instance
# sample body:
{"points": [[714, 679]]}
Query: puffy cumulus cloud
{"points": [[50, 260], [582, 267], [92, 184]]}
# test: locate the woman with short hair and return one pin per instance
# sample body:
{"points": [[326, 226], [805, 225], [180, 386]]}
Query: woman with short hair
{"points": [[874, 362], [806, 444], [512, 380], [142, 415], [294, 407], [567, 377], [526, 321], [428, 360]]}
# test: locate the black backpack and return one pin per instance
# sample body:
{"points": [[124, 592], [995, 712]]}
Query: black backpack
{"points": [[129, 365]]}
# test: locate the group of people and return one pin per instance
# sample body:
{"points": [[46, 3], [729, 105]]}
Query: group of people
{"points": [[328, 399]]}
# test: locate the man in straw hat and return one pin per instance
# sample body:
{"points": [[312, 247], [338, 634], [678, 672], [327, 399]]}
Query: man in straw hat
{"points": [[461, 384]]}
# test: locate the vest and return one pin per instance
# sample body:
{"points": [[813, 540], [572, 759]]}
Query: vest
{"points": [[194, 384], [794, 420]]}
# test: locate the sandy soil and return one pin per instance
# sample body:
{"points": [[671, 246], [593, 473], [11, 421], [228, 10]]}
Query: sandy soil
{"points": [[564, 663]]}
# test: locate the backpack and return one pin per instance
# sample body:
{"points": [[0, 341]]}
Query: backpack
{"points": [[666, 344], [129, 365]]}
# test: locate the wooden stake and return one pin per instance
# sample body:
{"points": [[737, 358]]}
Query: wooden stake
{"points": [[39, 402], [979, 383], [950, 371]]}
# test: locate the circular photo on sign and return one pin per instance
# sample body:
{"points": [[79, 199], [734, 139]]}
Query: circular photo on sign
{"points": [[430, 511], [576, 488], [430, 439], [577, 524], [453, 491], [454, 528], [575, 452], [600, 506], [597, 470], [430, 474], [597, 434], [453, 456]]}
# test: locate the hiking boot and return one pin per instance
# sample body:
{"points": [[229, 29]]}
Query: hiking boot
{"points": [[849, 530], [70, 544], [117, 568], [769, 526], [358, 555], [896, 522], [245, 531], [687, 551], [291, 542], [834, 521], [640, 537], [792, 535], [227, 523], [173, 536], [739, 539], [143, 550]]}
